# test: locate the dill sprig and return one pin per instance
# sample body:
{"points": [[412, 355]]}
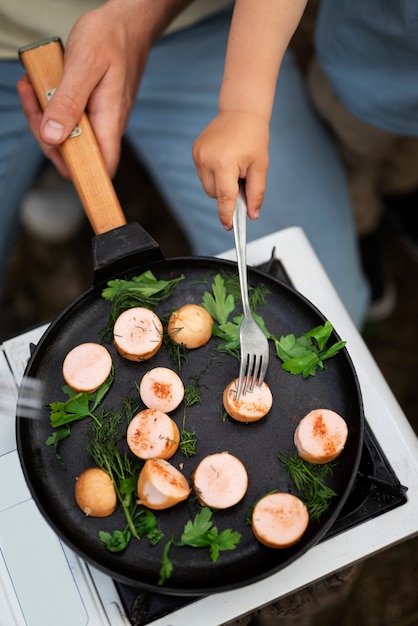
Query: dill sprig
{"points": [[104, 450], [178, 353], [256, 295], [188, 439], [308, 479]]}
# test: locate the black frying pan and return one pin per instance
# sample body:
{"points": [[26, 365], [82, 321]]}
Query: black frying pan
{"points": [[125, 251]]}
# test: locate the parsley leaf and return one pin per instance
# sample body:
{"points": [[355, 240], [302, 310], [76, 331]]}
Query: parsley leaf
{"points": [[116, 541], [144, 289], [79, 405], [166, 568], [306, 354], [200, 533], [220, 304], [56, 437]]}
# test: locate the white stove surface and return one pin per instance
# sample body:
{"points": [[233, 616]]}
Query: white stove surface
{"points": [[43, 583]]}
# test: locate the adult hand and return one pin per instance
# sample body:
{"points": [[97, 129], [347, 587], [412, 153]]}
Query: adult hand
{"points": [[104, 60], [233, 146]]}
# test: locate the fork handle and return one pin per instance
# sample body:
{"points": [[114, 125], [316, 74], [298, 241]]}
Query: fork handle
{"points": [[239, 222]]}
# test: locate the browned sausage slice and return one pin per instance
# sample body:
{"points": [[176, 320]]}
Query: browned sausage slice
{"points": [[138, 334], [161, 485], [161, 388], [152, 433], [220, 480], [250, 407], [279, 520], [320, 436]]}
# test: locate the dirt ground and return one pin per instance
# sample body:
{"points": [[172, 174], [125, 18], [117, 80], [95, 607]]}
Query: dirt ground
{"points": [[43, 278]]}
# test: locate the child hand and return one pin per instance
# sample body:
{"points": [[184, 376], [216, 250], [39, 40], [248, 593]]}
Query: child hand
{"points": [[233, 146]]}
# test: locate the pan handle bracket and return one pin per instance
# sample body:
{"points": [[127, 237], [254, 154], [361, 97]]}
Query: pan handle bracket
{"points": [[121, 249]]}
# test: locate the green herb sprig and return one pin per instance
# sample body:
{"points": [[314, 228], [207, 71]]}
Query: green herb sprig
{"points": [[104, 449], [308, 479], [79, 405], [222, 302], [188, 439], [144, 290], [306, 354], [178, 353], [200, 533]]}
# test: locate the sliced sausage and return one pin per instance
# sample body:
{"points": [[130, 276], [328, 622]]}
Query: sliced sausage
{"points": [[152, 433], [320, 436], [251, 406], [161, 485], [220, 480], [190, 325], [86, 367], [161, 388], [138, 334], [279, 520]]}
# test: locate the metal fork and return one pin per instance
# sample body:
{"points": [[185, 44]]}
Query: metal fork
{"points": [[254, 343]]}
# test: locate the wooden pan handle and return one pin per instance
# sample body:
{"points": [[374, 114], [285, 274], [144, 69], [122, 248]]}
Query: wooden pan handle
{"points": [[44, 64]]}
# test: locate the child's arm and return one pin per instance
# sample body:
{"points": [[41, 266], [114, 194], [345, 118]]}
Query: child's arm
{"points": [[235, 144]]}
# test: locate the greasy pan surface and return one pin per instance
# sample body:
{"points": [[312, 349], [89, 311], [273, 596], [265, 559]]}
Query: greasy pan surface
{"points": [[257, 444]]}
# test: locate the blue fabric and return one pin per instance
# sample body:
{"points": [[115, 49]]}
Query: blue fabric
{"points": [[177, 99], [369, 53], [20, 159]]}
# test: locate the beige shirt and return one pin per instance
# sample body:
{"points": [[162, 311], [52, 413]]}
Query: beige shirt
{"points": [[25, 21]]}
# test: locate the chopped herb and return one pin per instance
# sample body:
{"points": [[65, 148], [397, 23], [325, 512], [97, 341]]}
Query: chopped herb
{"points": [[188, 439], [104, 450], [222, 302], [306, 354], [256, 295], [200, 533], [79, 405], [177, 352], [218, 303], [56, 437], [308, 479], [116, 541], [145, 525]]}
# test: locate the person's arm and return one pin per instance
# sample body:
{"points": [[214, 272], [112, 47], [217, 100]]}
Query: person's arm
{"points": [[235, 144], [105, 57]]}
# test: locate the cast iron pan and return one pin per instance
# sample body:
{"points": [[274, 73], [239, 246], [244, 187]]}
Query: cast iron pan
{"points": [[257, 445]]}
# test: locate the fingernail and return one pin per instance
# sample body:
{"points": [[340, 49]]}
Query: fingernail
{"points": [[53, 131], [257, 214]]}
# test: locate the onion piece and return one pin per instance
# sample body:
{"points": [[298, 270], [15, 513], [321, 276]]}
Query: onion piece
{"points": [[190, 325], [95, 493]]}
